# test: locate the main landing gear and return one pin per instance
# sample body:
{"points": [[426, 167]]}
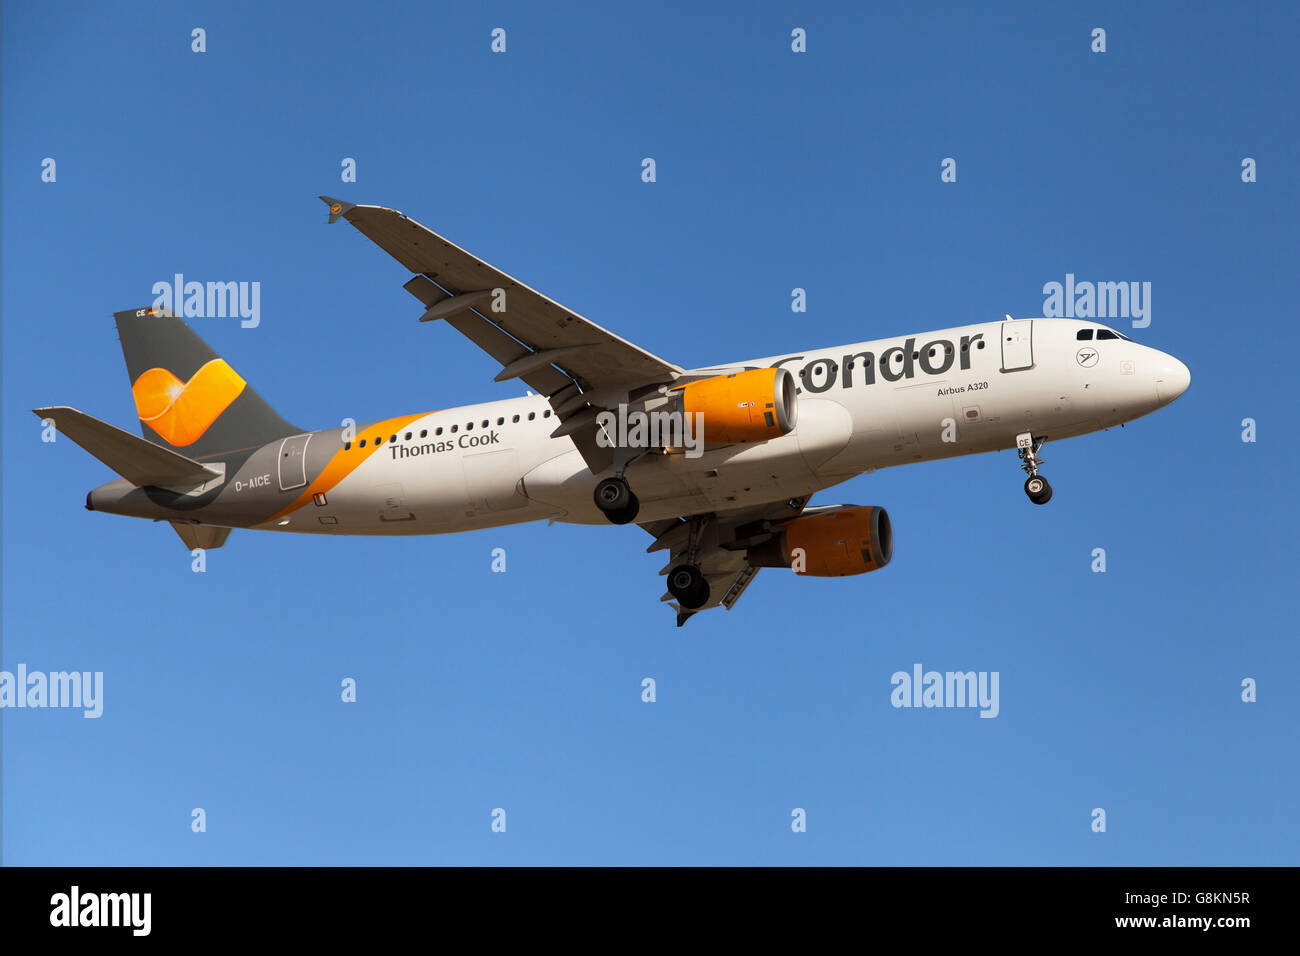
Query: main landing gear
{"points": [[688, 585], [1036, 486], [686, 582], [615, 499]]}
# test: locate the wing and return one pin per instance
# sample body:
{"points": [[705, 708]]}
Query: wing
{"points": [[576, 364], [720, 540]]}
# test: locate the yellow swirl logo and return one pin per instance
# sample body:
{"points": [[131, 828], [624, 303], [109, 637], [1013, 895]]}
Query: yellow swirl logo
{"points": [[179, 411]]}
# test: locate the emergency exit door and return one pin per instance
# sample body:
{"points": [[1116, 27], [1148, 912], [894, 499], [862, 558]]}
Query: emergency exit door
{"points": [[1017, 344]]}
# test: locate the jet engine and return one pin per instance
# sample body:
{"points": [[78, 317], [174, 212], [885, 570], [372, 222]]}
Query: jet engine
{"points": [[752, 406], [850, 540]]}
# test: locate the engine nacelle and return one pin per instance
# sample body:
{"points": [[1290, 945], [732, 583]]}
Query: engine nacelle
{"points": [[751, 406], [852, 540]]}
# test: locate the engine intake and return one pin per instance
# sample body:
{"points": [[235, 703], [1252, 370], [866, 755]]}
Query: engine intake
{"points": [[751, 406], [854, 539]]}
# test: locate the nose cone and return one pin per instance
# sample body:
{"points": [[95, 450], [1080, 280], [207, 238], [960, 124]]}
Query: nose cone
{"points": [[1172, 379]]}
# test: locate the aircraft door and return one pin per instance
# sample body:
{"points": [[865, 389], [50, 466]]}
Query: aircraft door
{"points": [[1017, 344], [293, 462]]}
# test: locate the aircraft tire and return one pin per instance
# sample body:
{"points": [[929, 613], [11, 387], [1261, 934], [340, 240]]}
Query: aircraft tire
{"points": [[689, 586], [628, 514], [612, 495], [1038, 489]]}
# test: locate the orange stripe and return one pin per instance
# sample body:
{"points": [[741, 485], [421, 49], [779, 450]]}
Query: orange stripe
{"points": [[347, 461]]}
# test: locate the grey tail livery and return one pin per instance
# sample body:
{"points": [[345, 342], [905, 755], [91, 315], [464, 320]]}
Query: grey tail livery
{"points": [[165, 360]]}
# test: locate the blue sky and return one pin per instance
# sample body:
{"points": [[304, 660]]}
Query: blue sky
{"points": [[775, 170]]}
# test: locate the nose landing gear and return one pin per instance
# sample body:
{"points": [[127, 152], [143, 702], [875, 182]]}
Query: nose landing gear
{"points": [[1036, 486]]}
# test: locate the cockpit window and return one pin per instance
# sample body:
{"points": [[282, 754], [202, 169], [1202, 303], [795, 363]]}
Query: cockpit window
{"points": [[1106, 334], [1085, 335]]}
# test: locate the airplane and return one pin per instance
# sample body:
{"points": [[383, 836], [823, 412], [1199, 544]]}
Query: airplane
{"points": [[717, 464]]}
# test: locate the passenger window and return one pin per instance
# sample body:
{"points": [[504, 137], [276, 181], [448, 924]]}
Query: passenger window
{"points": [[546, 414], [501, 421], [1085, 335], [531, 416], [1106, 334], [408, 436], [454, 427], [438, 430], [469, 426], [347, 446], [394, 437], [486, 423], [424, 433], [379, 439], [362, 444], [515, 419]]}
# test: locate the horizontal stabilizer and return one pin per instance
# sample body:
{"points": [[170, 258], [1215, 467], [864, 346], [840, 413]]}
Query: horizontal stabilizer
{"points": [[203, 536], [136, 459]]}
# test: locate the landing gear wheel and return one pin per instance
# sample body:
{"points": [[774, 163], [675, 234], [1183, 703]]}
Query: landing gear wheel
{"points": [[612, 494], [1038, 490], [627, 515], [688, 585], [615, 499]]}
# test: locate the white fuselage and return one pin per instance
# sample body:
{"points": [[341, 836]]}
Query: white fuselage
{"points": [[870, 405]]}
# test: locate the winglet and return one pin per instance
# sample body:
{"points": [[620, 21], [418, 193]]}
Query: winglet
{"points": [[338, 208]]}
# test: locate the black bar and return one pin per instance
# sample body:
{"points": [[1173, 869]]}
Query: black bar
{"points": [[655, 906]]}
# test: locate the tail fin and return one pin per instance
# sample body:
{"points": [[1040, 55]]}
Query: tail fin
{"points": [[186, 395]]}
